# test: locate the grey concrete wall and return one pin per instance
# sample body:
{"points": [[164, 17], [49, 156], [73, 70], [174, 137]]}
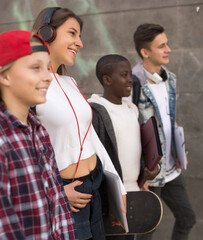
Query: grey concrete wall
{"points": [[108, 28]]}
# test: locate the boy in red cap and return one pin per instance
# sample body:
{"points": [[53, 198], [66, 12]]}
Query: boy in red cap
{"points": [[32, 200]]}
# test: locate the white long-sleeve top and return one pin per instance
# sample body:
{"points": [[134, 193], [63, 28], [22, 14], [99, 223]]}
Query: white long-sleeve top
{"points": [[58, 118]]}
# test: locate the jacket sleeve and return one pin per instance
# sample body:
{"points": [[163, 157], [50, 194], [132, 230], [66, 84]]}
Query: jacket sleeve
{"points": [[96, 122], [104, 157], [136, 90], [100, 149]]}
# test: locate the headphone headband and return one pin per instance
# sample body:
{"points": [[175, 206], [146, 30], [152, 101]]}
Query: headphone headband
{"points": [[49, 14]]}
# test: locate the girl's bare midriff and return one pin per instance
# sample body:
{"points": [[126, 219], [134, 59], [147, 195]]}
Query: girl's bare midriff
{"points": [[85, 167]]}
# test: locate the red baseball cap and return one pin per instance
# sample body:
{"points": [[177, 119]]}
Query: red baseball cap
{"points": [[16, 44]]}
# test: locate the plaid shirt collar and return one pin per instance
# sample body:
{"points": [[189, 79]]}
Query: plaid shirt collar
{"points": [[14, 122]]}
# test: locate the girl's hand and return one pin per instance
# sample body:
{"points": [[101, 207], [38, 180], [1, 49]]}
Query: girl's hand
{"points": [[76, 199]]}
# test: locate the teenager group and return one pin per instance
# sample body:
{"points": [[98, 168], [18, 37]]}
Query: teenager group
{"points": [[52, 161]]}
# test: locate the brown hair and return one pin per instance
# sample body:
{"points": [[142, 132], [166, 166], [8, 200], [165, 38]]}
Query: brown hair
{"points": [[145, 34], [57, 19]]}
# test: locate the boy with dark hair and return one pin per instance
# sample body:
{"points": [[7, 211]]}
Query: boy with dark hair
{"points": [[158, 97], [116, 121], [145, 34], [33, 204]]}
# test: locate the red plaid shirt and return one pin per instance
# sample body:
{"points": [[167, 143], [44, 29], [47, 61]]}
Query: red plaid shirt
{"points": [[33, 204]]}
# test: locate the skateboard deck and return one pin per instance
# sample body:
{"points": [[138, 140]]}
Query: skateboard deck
{"points": [[144, 214]]}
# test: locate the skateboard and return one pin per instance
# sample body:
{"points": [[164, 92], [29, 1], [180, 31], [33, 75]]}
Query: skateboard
{"points": [[144, 214]]}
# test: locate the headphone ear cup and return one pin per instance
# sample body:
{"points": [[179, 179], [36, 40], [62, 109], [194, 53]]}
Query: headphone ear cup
{"points": [[48, 33]]}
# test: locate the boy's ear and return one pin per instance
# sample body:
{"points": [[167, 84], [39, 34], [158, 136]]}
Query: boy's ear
{"points": [[106, 80], [144, 52], [4, 79]]}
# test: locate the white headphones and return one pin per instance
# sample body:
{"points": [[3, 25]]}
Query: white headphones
{"points": [[155, 77]]}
